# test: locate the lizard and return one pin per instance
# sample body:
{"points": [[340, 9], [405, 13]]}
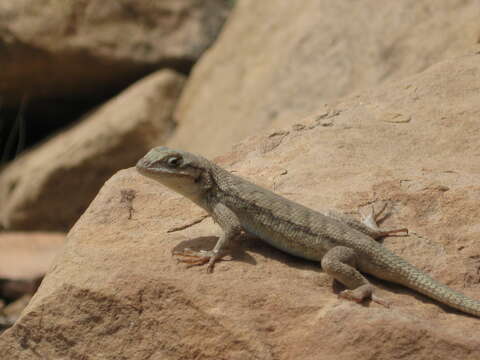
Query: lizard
{"points": [[345, 247]]}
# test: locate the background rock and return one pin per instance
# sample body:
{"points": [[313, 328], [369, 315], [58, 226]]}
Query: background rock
{"points": [[116, 292], [50, 186], [277, 61], [60, 59], [24, 260], [28, 255], [77, 48], [11, 312]]}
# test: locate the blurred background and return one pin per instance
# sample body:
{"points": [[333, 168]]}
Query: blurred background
{"points": [[88, 87]]}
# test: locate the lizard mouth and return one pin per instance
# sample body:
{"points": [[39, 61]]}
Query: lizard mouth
{"points": [[160, 172]]}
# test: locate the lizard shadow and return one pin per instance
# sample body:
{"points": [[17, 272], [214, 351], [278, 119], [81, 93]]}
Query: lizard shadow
{"points": [[207, 243], [240, 248], [239, 251]]}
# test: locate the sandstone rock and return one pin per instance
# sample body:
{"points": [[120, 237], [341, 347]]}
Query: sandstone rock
{"points": [[27, 255], [24, 260], [116, 291], [73, 49], [50, 186], [279, 60], [10, 313]]}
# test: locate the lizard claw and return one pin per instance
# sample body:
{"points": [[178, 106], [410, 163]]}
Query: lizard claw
{"points": [[353, 296], [192, 257], [381, 301], [349, 295], [370, 220], [198, 258]]}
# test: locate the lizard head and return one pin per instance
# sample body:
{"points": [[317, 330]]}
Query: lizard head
{"points": [[185, 173]]}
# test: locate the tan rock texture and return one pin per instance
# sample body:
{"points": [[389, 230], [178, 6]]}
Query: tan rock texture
{"points": [[49, 187], [28, 255], [25, 257], [65, 49], [117, 293], [280, 60]]}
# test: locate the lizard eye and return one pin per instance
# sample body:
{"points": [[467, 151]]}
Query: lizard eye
{"points": [[174, 161]]}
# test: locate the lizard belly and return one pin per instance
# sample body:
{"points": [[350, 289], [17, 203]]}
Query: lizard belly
{"points": [[301, 245]]}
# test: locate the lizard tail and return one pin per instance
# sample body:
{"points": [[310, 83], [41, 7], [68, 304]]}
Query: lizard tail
{"points": [[416, 279]]}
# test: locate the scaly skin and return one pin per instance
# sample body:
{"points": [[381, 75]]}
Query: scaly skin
{"points": [[344, 247]]}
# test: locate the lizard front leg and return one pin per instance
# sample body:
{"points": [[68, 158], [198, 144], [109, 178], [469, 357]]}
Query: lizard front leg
{"points": [[231, 227], [340, 262]]}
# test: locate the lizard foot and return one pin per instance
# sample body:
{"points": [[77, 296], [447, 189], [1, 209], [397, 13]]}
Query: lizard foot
{"points": [[360, 294], [381, 301], [198, 258], [370, 220]]}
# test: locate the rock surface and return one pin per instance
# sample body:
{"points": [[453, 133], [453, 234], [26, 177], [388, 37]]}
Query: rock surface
{"points": [[117, 293], [85, 48], [280, 60], [27, 255], [49, 187], [24, 260]]}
